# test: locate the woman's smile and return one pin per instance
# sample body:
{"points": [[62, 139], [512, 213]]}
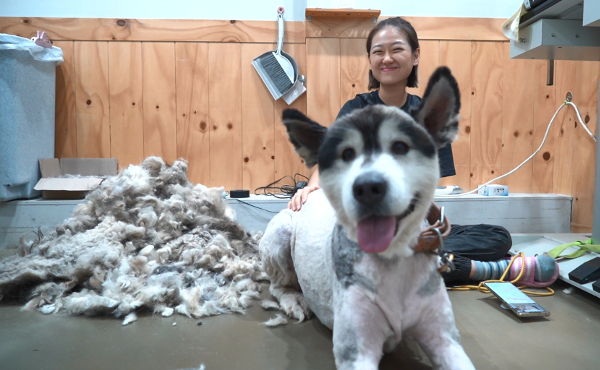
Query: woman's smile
{"points": [[391, 58]]}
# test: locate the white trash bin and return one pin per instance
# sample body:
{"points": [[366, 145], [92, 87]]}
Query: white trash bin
{"points": [[27, 113]]}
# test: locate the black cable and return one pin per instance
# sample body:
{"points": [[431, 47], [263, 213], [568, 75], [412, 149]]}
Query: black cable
{"points": [[285, 191], [252, 205]]}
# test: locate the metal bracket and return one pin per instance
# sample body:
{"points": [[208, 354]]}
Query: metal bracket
{"points": [[557, 39]]}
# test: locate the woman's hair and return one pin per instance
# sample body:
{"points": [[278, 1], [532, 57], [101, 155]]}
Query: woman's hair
{"points": [[402, 26]]}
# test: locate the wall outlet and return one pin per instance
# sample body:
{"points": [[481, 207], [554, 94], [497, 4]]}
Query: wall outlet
{"points": [[491, 190]]}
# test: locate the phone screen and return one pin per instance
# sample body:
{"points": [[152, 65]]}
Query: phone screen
{"points": [[518, 301]]}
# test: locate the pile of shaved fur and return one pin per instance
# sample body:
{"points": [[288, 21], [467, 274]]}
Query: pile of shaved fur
{"points": [[146, 238]]}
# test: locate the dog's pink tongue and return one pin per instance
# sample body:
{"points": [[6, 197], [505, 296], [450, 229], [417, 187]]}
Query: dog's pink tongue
{"points": [[375, 233]]}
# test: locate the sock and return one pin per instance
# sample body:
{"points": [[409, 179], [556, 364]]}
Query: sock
{"points": [[489, 270], [544, 269]]}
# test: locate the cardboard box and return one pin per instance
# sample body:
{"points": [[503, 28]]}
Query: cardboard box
{"points": [[73, 178]]}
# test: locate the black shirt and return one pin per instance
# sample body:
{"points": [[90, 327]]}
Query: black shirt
{"points": [[412, 102]]}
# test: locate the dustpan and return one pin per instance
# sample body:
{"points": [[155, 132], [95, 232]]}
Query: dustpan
{"points": [[277, 69]]}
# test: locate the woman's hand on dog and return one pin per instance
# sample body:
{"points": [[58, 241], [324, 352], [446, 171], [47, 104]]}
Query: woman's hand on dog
{"points": [[301, 196]]}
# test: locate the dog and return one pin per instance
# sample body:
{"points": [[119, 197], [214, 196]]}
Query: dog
{"points": [[347, 256]]}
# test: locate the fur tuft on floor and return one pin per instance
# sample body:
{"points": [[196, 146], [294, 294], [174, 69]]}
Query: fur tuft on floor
{"points": [[146, 238]]}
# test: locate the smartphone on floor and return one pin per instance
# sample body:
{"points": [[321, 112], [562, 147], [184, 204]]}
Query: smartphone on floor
{"points": [[519, 302]]}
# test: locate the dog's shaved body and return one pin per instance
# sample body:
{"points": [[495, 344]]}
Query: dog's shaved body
{"points": [[351, 244]]}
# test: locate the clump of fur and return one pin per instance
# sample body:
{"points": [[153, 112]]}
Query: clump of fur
{"points": [[146, 238], [278, 320]]}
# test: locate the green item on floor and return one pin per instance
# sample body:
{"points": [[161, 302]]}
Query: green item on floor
{"points": [[583, 248]]}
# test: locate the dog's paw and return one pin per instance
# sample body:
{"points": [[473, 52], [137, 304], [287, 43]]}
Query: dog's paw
{"points": [[294, 305]]}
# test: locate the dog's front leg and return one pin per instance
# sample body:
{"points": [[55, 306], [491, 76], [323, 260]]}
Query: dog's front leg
{"points": [[359, 331], [440, 339], [446, 353]]}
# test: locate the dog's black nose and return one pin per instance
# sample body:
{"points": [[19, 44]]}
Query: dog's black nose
{"points": [[369, 188]]}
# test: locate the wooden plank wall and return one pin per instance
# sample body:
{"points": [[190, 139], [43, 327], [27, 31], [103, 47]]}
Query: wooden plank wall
{"points": [[185, 89]]}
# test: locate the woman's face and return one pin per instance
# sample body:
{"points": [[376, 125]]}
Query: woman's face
{"points": [[391, 59]]}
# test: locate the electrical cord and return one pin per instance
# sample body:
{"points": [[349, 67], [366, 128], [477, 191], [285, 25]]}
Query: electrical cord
{"points": [[286, 191], [252, 205], [483, 289], [531, 156]]}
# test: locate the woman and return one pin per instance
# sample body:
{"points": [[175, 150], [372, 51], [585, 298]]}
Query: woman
{"points": [[393, 53]]}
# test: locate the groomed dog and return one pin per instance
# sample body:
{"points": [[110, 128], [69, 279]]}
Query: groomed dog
{"points": [[348, 254]]}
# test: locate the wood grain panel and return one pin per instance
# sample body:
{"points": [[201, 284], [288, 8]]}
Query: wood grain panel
{"points": [[323, 67], [428, 28], [92, 99], [193, 133], [585, 96], [354, 78], [428, 62], [486, 116], [563, 127], [160, 109], [216, 88], [584, 166], [225, 109], [517, 122], [454, 28], [456, 55], [126, 105], [287, 162], [258, 129], [544, 106], [481, 174], [110, 29], [584, 152], [65, 143]]}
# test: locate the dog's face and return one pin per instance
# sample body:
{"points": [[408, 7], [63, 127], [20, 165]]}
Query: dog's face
{"points": [[378, 166]]}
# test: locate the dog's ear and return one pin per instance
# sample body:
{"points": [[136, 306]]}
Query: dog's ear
{"points": [[438, 111], [305, 134]]}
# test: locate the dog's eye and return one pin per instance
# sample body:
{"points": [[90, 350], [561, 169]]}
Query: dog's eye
{"points": [[348, 154], [399, 147]]}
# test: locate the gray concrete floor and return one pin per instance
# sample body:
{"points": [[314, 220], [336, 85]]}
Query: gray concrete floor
{"points": [[494, 339]]}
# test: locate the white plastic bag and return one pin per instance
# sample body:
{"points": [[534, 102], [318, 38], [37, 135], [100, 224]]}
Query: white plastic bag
{"points": [[11, 42], [510, 28]]}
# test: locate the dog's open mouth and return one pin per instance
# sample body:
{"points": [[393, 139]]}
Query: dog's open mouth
{"points": [[375, 233]]}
